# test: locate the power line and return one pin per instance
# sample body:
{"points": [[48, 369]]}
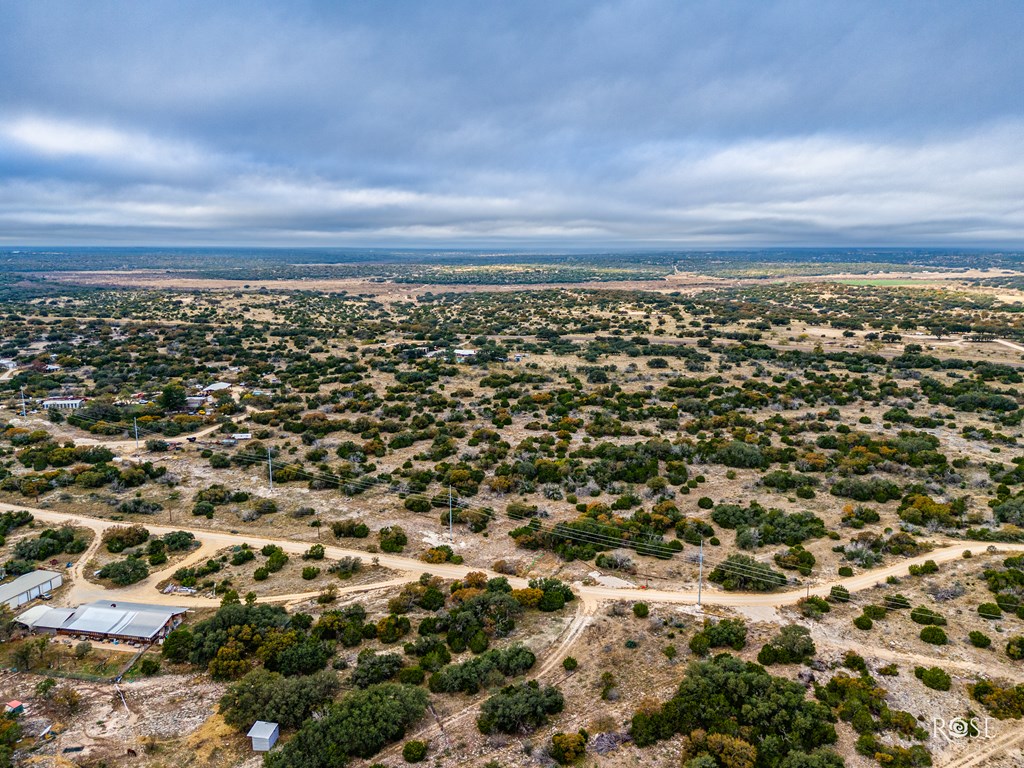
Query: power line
{"points": [[559, 530]]}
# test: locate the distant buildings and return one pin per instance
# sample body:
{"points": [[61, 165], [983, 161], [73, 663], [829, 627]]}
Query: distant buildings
{"points": [[63, 403], [28, 587], [105, 620], [217, 386], [460, 354]]}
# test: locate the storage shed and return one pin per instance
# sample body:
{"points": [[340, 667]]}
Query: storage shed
{"points": [[28, 587], [264, 735]]}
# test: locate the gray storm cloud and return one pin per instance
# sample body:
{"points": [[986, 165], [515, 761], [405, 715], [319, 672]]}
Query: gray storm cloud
{"points": [[593, 123]]}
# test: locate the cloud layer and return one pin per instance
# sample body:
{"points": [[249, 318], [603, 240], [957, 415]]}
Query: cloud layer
{"points": [[616, 123]]}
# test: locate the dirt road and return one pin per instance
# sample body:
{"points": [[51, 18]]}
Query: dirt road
{"points": [[411, 568], [130, 446]]}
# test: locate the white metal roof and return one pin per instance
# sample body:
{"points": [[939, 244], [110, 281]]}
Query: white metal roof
{"points": [[24, 583], [92, 619], [45, 617], [33, 613], [136, 620], [261, 729]]}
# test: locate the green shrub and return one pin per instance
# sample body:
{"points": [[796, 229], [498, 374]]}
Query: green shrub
{"points": [[813, 607], [243, 556], [796, 558], [839, 594], [926, 568], [933, 677], [979, 639], [392, 539], [727, 633], [875, 612], [855, 662], [414, 751], [640, 610], [519, 708], [567, 748], [897, 602], [934, 636], [354, 529], [411, 675], [373, 668], [1015, 648], [925, 615], [125, 572], [863, 622], [699, 644], [792, 645], [120, 538], [741, 572]]}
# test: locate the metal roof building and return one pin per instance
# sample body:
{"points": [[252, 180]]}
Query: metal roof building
{"points": [[28, 587], [264, 735], [64, 403], [106, 620], [44, 618]]}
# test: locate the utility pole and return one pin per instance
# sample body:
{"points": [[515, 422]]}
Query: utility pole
{"points": [[700, 577], [135, 421], [24, 413], [270, 468], [451, 534], [318, 525]]}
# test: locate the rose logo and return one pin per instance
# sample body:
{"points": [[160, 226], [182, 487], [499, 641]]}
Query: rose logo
{"points": [[959, 728]]}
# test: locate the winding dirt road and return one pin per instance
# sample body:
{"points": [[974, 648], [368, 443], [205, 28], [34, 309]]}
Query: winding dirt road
{"points": [[411, 568]]}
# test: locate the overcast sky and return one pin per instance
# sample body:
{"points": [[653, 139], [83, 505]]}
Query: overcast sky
{"points": [[512, 123]]}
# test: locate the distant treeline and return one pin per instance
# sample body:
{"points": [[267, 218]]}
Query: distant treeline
{"points": [[415, 265]]}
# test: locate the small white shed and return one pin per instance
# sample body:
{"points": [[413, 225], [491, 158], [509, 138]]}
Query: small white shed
{"points": [[264, 735]]}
